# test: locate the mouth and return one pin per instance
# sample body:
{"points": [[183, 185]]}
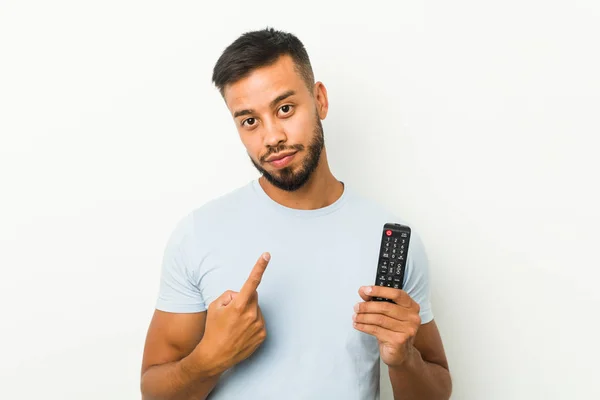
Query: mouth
{"points": [[281, 160]]}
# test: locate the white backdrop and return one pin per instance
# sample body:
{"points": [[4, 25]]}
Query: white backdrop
{"points": [[477, 121]]}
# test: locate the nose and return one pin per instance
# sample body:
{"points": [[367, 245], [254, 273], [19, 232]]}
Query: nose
{"points": [[274, 134]]}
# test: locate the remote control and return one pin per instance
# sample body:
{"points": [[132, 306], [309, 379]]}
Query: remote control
{"points": [[391, 263]]}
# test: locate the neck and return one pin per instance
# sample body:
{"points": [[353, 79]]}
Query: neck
{"points": [[322, 189]]}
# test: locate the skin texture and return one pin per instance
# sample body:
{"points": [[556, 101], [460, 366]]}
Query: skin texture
{"points": [[276, 112]]}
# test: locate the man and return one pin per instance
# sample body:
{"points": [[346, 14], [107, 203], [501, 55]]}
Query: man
{"points": [[307, 243]]}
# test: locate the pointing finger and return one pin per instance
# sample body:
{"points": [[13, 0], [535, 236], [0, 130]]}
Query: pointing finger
{"points": [[255, 278]]}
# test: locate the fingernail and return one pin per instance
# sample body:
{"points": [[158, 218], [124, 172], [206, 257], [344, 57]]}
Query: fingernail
{"points": [[368, 290], [354, 317], [266, 256], [356, 307]]}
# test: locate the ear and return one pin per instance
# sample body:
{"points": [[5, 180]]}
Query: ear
{"points": [[320, 96]]}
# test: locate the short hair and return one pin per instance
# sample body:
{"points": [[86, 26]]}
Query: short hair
{"points": [[257, 49]]}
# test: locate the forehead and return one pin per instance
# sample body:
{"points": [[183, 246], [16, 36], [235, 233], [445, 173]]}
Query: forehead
{"points": [[264, 84]]}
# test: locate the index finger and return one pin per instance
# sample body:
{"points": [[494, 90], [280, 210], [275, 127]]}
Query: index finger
{"points": [[398, 296], [255, 278]]}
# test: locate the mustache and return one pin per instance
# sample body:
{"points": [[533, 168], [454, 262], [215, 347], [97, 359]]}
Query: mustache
{"points": [[278, 149]]}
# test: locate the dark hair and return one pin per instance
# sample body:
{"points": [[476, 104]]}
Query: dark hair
{"points": [[257, 49]]}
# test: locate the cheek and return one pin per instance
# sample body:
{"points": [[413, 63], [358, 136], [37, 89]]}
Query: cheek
{"points": [[253, 145], [299, 129]]}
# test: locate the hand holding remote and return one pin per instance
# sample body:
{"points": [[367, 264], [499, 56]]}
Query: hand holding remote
{"points": [[394, 324]]}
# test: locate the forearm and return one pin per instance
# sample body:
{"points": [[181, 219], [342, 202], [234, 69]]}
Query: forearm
{"points": [[191, 378], [417, 379]]}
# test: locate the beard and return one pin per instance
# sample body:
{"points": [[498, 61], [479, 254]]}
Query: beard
{"points": [[286, 178]]}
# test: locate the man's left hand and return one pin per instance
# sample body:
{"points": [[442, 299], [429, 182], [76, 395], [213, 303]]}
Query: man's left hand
{"points": [[393, 324]]}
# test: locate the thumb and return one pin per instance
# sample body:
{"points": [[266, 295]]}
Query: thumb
{"points": [[226, 298]]}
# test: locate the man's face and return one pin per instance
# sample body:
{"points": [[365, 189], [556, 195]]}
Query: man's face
{"points": [[279, 123]]}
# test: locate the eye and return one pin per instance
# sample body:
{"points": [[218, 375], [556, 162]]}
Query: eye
{"points": [[286, 109], [249, 121]]}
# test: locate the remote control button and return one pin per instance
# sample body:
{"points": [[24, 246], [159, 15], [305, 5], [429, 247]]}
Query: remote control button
{"points": [[388, 232], [396, 286], [386, 255]]}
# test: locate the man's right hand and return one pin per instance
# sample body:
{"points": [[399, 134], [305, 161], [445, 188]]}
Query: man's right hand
{"points": [[235, 327]]}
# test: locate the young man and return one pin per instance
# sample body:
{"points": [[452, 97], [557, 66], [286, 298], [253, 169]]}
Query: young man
{"points": [[307, 243]]}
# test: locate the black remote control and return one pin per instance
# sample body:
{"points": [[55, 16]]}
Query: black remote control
{"points": [[391, 263]]}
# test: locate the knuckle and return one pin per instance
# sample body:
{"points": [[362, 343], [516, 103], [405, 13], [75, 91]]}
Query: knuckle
{"points": [[252, 314], [255, 280], [262, 335], [411, 331], [260, 329], [417, 320]]}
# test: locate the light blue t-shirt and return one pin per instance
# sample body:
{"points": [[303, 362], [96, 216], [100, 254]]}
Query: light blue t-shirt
{"points": [[319, 260]]}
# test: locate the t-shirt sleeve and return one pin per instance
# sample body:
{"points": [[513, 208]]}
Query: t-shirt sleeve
{"points": [[417, 277], [178, 290]]}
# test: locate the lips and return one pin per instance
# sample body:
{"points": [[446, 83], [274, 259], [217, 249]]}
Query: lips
{"points": [[282, 160], [277, 157]]}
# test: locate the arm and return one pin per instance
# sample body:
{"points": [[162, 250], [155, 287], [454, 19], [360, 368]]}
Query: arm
{"points": [[174, 365], [412, 351], [424, 374], [186, 353]]}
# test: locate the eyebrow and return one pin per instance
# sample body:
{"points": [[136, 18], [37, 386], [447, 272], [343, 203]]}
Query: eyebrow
{"points": [[277, 99]]}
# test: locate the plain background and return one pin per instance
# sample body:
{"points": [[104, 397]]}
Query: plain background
{"points": [[476, 121]]}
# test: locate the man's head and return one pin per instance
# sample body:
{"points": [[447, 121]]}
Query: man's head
{"points": [[268, 85]]}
